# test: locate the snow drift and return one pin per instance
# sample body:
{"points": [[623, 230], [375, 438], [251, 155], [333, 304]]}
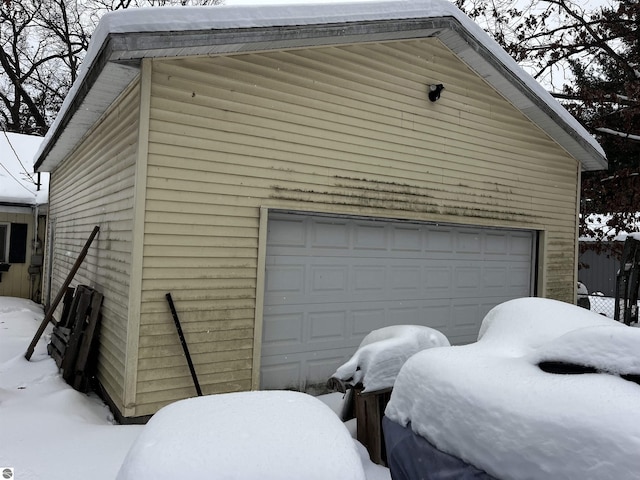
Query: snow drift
{"points": [[381, 354]]}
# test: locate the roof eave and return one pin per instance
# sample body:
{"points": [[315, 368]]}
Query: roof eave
{"points": [[480, 59]]}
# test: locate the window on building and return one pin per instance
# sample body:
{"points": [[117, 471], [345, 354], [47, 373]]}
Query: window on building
{"points": [[13, 242], [4, 242], [18, 243]]}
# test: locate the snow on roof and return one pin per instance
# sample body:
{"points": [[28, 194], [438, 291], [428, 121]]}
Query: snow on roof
{"points": [[469, 41], [490, 404], [17, 180]]}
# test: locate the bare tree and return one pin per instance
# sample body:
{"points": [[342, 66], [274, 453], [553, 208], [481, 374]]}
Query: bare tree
{"points": [[590, 58], [42, 43]]}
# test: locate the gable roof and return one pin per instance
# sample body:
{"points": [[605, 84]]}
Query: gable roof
{"points": [[125, 37], [17, 181]]}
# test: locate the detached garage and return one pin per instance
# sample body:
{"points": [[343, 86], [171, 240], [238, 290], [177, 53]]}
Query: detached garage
{"points": [[295, 177]]}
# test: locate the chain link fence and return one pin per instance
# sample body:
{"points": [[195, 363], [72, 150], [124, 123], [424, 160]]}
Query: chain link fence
{"points": [[599, 304]]}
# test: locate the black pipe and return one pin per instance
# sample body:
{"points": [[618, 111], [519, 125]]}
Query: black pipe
{"points": [[184, 343]]}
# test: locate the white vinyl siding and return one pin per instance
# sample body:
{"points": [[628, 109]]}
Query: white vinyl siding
{"points": [[94, 186], [345, 130]]}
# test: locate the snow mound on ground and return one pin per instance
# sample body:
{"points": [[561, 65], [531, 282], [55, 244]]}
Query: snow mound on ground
{"points": [[37, 405], [490, 404], [274, 435], [382, 353]]}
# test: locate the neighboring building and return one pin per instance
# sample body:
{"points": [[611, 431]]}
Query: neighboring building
{"points": [[23, 213], [282, 172], [599, 269]]}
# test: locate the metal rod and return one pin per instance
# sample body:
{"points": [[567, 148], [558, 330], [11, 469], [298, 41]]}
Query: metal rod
{"points": [[61, 293], [176, 320]]}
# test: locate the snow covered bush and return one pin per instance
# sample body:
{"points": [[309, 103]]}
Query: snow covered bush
{"points": [[382, 353]]}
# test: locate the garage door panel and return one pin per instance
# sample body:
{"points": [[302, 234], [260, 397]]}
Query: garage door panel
{"points": [[368, 279], [405, 278], [311, 345], [437, 278], [318, 328], [319, 368], [439, 241], [519, 277], [327, 326], [405, 315], [285, 279], [287, 373], [494, 277], [465, 318], [283, 329], [467, 278], [328, 278], [468, 243], [326, 234], [352, 276], [370, 237], [497, 243], [437, 314], [407, 239], [520, 245], [366, 319], [289, 233]]}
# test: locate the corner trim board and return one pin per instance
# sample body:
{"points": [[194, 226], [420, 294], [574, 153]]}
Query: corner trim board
{"points": [[137, 249], [260, 282]]}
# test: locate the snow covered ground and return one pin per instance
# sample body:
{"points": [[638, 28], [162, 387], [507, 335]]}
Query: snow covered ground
{"points": [[487, 403], [49, 431]]}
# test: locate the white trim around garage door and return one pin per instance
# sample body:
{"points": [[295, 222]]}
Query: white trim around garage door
{"points": [[325, 281]]}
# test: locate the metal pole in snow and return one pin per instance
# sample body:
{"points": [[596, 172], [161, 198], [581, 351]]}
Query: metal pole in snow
{"points": [[184, 343]]}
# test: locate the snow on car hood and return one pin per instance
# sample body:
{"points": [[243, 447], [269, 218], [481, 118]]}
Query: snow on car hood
{"points": [[269, 435], [490, 404]]}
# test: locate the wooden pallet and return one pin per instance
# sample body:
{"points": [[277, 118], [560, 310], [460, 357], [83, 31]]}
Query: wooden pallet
{"points": [[369, 410], [73, 341]]}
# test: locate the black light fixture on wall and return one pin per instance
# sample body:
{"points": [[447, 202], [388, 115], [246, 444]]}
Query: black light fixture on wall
{"points": [[434, 91]]}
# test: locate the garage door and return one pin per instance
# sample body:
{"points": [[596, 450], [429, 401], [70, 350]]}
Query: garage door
{"points": [[330, 281]]}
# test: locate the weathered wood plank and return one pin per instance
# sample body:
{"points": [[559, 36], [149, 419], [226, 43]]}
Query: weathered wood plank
{"points": [[83, 367], [77, 331]]}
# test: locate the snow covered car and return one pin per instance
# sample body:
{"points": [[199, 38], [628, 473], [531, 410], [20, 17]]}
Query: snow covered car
{"points": [[274, 435], [549, 390]]}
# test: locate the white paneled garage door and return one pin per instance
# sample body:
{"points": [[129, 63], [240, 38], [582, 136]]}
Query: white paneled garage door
{"points": [[330, 281]]}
